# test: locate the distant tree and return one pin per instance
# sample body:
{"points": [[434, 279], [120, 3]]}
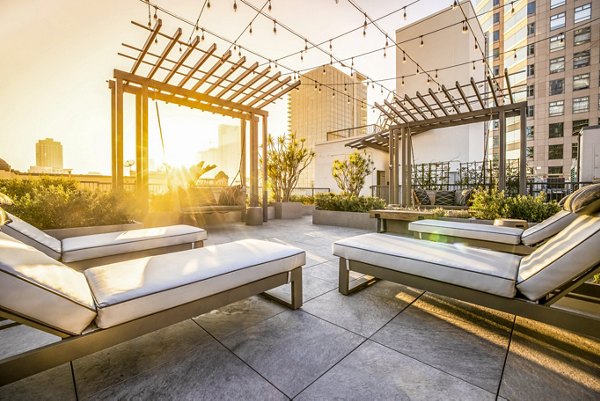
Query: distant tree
{"points": [[198, 170], [351, 173], [287, 157]]}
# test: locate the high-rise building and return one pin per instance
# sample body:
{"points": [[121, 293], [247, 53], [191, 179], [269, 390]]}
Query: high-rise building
{"points": [[552, 47], [226, 156], [315, 109], [49, 153]]}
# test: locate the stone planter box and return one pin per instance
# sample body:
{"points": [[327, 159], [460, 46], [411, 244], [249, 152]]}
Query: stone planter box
{"points": [[307, 210], [61, 233], [344, 219], [288, 210], [270, 212]]}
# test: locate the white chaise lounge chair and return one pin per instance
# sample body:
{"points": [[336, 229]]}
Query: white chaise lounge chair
{"points": [[113, 303], [506, 239], [95, 249], [548, 285]]}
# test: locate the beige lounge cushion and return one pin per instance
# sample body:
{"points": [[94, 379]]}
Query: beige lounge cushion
{"points": [[479, 269], [483, 232], [118, 242], [41, 289], [33, 236], [547, 228], [563, 258], [128, 290], [584, 200]]}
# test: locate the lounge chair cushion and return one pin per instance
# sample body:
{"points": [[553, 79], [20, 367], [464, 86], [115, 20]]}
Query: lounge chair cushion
{"points": [[33, 236], [39, 288], [547, 228], [98, 245], [563, 258], [484, 232], [479, 269], [584, 200], [128, 290]]}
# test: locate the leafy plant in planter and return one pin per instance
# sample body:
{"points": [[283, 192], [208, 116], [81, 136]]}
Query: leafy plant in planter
{"points": [[350, 174], [492, 204], [287, 157], [347, 203]]}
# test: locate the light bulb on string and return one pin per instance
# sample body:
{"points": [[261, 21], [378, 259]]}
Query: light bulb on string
{"points": [[365, 26], [402, 81], [208, 4], [386, 41], [330, 45], [428, 79], [422, 41], [324, 72], [348, 99], [455, 4], [330, 59], [512, 7], [345, 88], [301, 56], [473, 66], [515, 54], [180, 48], [155, 13], [315, 86], [403, 57], [250, 30], [202, 37], [381, 90], [352, 64], [269, 5], [305, 44], [436, 74], [417, 69], [234, 5], [275, 26], [405, 13], [319, 88], [384, 53], [332, 93], [464, 28], [476, 46]]}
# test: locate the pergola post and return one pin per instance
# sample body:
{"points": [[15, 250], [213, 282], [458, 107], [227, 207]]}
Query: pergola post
{"points": [[118, 147], [243, 155], [502, 150], [523, 153], [113, 131], [141, 145], [265, 192], [396, 166], [138, 143], [253, 161], [407, 162]]}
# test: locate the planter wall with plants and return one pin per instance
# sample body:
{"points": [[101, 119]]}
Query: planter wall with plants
{"points": [[288, 210], [360, 220], [61, 233]]}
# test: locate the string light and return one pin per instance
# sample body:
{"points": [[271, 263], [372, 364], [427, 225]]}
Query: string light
{"points": [[455, 4], [275, 26], [305, 44], [324, 72], [202, 37], [301, 56], [403, 81], [348, 99], [269, 5], [330, 45], [345, 88], [405, 13], [365, 26], [473, 66], [515, 54], [428, 79], [512, 7], [403, 57], [208, 4], [422, 41], [386, 41], [180, 48], [333, 93], [464, 28], [417, 69], [234, 5], [384, 53], [476, 46], [315, 86], [250, 30], [155, 13], [436, 74], [149, 16]]}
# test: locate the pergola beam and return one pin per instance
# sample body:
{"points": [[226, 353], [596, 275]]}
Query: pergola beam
{"points": [[147, 45], [450, 99], [212, 70], [437, 101], [474, 85], [399, 103], [249, 83], [279, 94], [198, 64], [165, 53], [261, 87], [493, 91], [184, 56], [414, 106], [395, 110], [426, 104], [226, 75], [508, 87], [238, 79], [384, 111], [464, 97], [270, 91]]}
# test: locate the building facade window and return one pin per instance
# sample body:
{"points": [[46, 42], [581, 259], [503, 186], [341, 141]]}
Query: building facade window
{"points": [[531, 8], [530, 110], [581, 59], [496, 52], [530, 70], [581, 104], [496, 2], [557, 65], [496, 70], [529, 152], [555, 170], [575, 151], [581, 81], [556, 3], [557, 42], [556, 130], [578, 125], [557, 86], [555, 152], [496, 18], [531, 28], [530, 90], [583, 13], [557, 21], [530, 50], [556, 108], [529, 132], [496, 35], [583, 35]]}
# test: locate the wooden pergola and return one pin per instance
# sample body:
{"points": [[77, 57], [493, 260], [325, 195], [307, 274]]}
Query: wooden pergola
{"points": [[200, 79], [458, 105]]}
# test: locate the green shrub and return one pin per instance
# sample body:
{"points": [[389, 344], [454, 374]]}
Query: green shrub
{"points": [[305, 199], [348, 203], [58, 203], [493, 204]]}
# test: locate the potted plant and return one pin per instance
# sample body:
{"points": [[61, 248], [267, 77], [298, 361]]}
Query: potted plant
{"points": [[287, 157]]}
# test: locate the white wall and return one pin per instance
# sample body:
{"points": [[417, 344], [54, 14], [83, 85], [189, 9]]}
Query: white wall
{"points": [[327, 152], [589, 156]]}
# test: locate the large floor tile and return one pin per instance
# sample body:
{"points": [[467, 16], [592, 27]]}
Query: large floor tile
{"points": [[364, 312], [473, 350], [374, 372], [547, 363], [20, 338], [108, 367], [292, 349], [238, 316], [206, 372], [311, 287], [53, 384]]}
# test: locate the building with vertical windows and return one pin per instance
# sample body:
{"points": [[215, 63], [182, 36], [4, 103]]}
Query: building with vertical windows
{"points": [[559, 64], [49, 153], [316, 109]]}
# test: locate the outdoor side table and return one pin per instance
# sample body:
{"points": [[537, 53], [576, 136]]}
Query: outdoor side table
{"points": [[396, 221]]}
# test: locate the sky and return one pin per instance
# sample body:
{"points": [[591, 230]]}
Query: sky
{"points": [[58, 55]]}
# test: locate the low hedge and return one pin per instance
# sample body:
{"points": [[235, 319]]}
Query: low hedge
{"points": [[50, 203], [347, 203], [493, 205]]}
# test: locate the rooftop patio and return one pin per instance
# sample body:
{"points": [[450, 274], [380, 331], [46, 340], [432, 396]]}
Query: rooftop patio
{"points": [[386, 342]]}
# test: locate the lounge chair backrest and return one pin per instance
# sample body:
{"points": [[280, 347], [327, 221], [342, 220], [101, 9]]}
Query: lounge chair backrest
{"points": [[33, 236], [565, 257], [40, 289], [547, 228]]}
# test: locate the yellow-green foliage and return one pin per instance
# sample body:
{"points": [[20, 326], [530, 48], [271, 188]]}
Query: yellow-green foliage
{"points": [[347, 203], [350, 174], [492, 204]]}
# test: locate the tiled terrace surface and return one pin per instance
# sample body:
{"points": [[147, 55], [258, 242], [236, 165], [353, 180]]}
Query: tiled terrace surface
{"points": [[388, 342]]}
